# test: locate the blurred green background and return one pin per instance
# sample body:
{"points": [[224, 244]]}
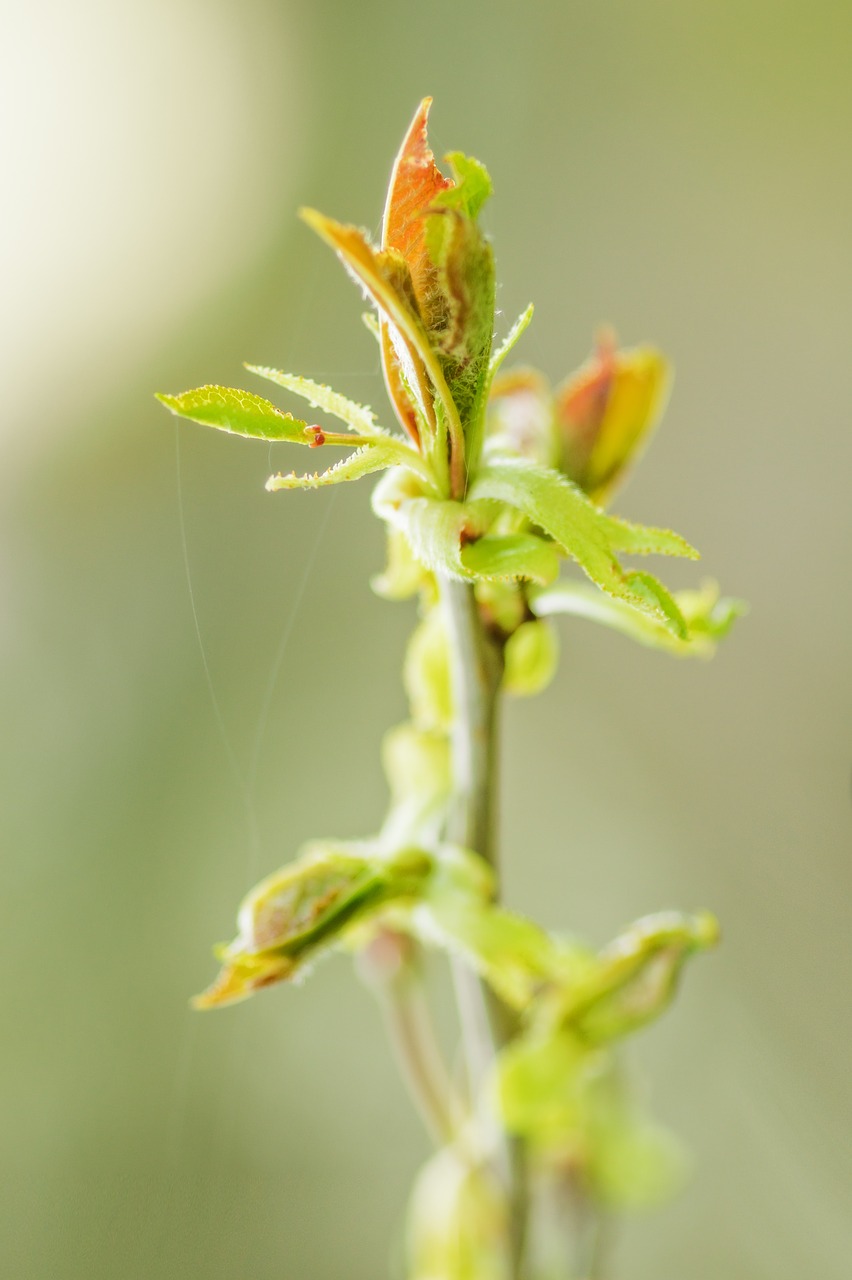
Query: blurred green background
{"points": [[679, 169]]}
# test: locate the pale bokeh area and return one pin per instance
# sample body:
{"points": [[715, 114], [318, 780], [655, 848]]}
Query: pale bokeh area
{"points": [[680, 170]]}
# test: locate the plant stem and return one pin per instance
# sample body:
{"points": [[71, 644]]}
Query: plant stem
{"points": [[413, 1037], [476, 662]]}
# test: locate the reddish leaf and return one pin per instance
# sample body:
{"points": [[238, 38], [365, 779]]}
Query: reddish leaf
{"points": [[415, 184]]}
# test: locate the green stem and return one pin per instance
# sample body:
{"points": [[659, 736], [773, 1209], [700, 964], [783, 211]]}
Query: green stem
{"points": [[413, 1037], [476, 662]]}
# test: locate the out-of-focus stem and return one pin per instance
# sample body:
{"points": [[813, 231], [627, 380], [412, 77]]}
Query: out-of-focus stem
{"points": [[476, 662], [412, 1035]]}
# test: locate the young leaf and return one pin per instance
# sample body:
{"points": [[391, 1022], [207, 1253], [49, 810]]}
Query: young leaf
{"points": [[554, 504], [637, 975], [450, 538], [645, 540], [512, 954], [356, 416], [416, 182], [506, 557], [378, 456], [540, 1085], [296, 913], [508, 343], [239, 412]]}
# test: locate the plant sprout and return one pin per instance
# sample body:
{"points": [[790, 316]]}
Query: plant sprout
{"points": [[494, 480]]}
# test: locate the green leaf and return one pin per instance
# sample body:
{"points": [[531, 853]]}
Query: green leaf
{"points": [[517, 330], [511, 953], [306, 907], [645, 540], [637, 975], [472, 185], [451, 537], [239, 412], [556, 505], [383, 277], [520, 418], [707, 617], [356, 416], [505, 557], [379, 456], [540, 1084]]}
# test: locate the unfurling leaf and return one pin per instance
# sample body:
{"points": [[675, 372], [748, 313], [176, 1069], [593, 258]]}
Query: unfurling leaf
{"points": [[416, 183], [606, 412], [636, 975], [297, 913], [386, 280]]}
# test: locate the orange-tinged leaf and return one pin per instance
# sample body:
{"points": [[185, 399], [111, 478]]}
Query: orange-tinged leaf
{"points": [[383, 278], [416, 182], [607, 411]]}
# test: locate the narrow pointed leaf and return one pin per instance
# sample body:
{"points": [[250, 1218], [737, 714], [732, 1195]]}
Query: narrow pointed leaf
{"points": [[239, 412], [379, 456], [645, 540], [506, 346], [356, 416], [379, 276]]}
